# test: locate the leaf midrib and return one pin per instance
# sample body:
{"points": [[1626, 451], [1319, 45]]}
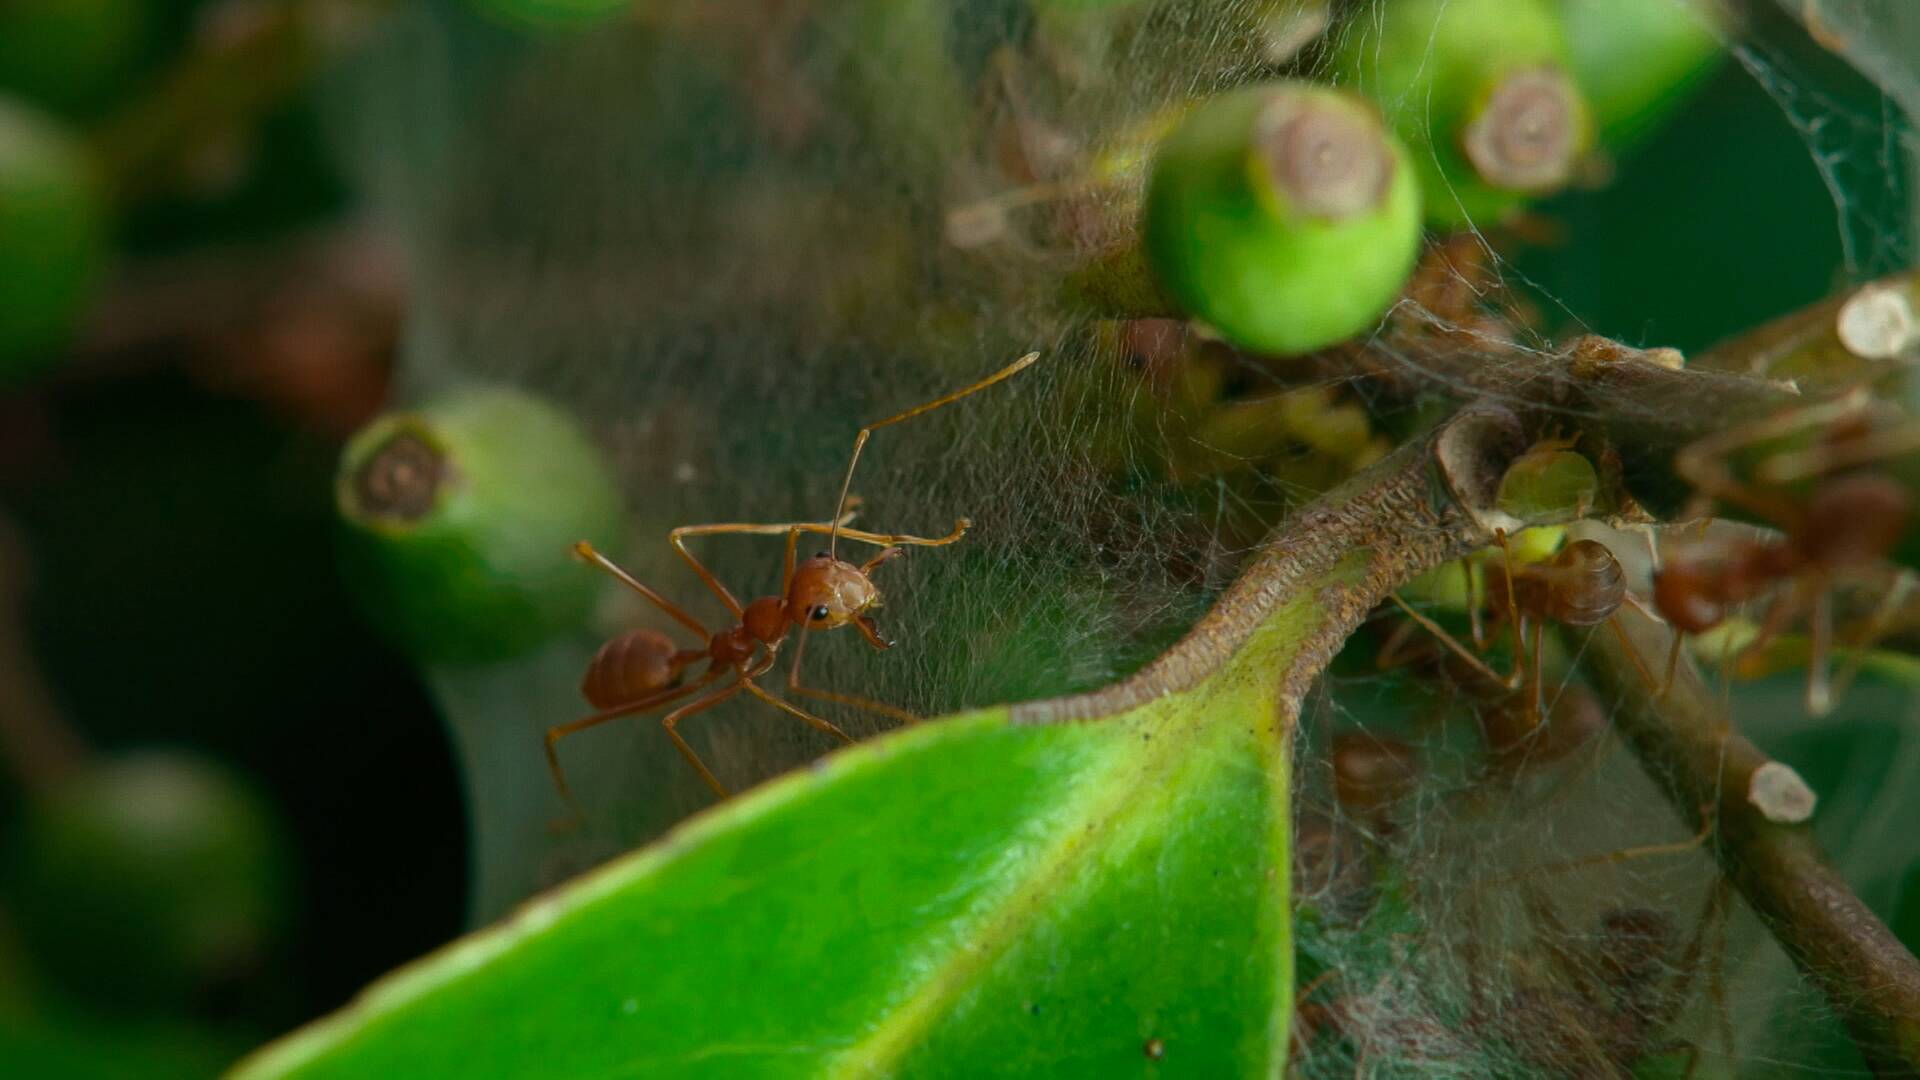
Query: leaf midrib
{"points": [[1101, 804]]}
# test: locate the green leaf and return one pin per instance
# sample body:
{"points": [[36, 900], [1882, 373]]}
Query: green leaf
{"points": [[1034, 898], [1001, 892]]}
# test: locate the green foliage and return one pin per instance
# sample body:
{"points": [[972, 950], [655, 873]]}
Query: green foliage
{"points": [[72, 1048], [458, 519], [1283, 215], [52, 238], [147, 879], [1480, 92], [1011, 913], [69, 54]]}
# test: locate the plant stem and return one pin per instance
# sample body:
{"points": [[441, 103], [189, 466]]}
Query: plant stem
{"points": [[1398, 512], [1687, 743]]}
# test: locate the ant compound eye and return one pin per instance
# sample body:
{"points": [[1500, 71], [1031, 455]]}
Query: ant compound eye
{"points": [[823, 554], [819, 612]]}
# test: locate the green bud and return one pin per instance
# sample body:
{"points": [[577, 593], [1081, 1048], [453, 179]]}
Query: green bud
{"points": [[148, 879], [52, 239], [1549, 483], [69, 54], [459, 519], [1636, 59], [1284, 215], [1481, 92]]}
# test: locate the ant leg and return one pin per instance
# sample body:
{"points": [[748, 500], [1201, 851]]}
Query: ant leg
{"points": [[812, 721], [1779, 614], [672, 723], [1819, 688], [1539, 674], [793, 686], [1513, 603], [1704, 463], [1819, 460], [1712, 915], [866, 433], [1440, 634], [639, 705], [1395, 651], [586, 551], [960, 528], [1673, 664], [1877, 624], [887, 555], [1632, 650], [678, 539]]}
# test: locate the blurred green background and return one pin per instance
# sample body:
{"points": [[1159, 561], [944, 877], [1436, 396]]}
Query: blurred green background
{"points": [[225, 804]]}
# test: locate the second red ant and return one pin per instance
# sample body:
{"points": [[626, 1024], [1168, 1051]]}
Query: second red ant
{"points": [[1851, 518]]}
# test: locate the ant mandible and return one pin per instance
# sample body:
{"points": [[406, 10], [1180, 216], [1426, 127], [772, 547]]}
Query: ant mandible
{"points": [[1851, 518], [642, 670]]}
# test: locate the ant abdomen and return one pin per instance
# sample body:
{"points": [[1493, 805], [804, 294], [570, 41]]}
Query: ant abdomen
{"points": [[631, 666], [1582, 585]]}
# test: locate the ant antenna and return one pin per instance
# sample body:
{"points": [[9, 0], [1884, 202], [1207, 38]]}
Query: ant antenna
{"points": [[860, 441]]}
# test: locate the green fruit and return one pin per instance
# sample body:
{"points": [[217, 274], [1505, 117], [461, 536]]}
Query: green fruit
{"points": [[1481, 92], [1284, 215], [146, 879], [52, 239], [459, 520], [1637, 59], [550, 13], [69, 54]]}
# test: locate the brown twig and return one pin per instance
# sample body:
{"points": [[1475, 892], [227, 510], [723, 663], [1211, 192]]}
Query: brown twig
{"points": [[1685, 740]]}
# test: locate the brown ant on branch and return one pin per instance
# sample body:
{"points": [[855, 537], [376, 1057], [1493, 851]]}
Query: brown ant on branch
{"points": [[642, 670], [1850, 519], [1581, 585]]}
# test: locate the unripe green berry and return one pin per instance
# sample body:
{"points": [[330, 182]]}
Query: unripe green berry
{"points": [[52, 239], [1285, 216], [459, 519], [1482, 93], [147, 879], [1636, 59]]}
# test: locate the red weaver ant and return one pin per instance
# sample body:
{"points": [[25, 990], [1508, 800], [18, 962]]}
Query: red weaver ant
{"points": [[1850, 519], [1580, 585], [642, 670]]}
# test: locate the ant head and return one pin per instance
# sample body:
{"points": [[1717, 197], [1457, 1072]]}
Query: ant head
{"points": [[1854, 520], [827, 593]]}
